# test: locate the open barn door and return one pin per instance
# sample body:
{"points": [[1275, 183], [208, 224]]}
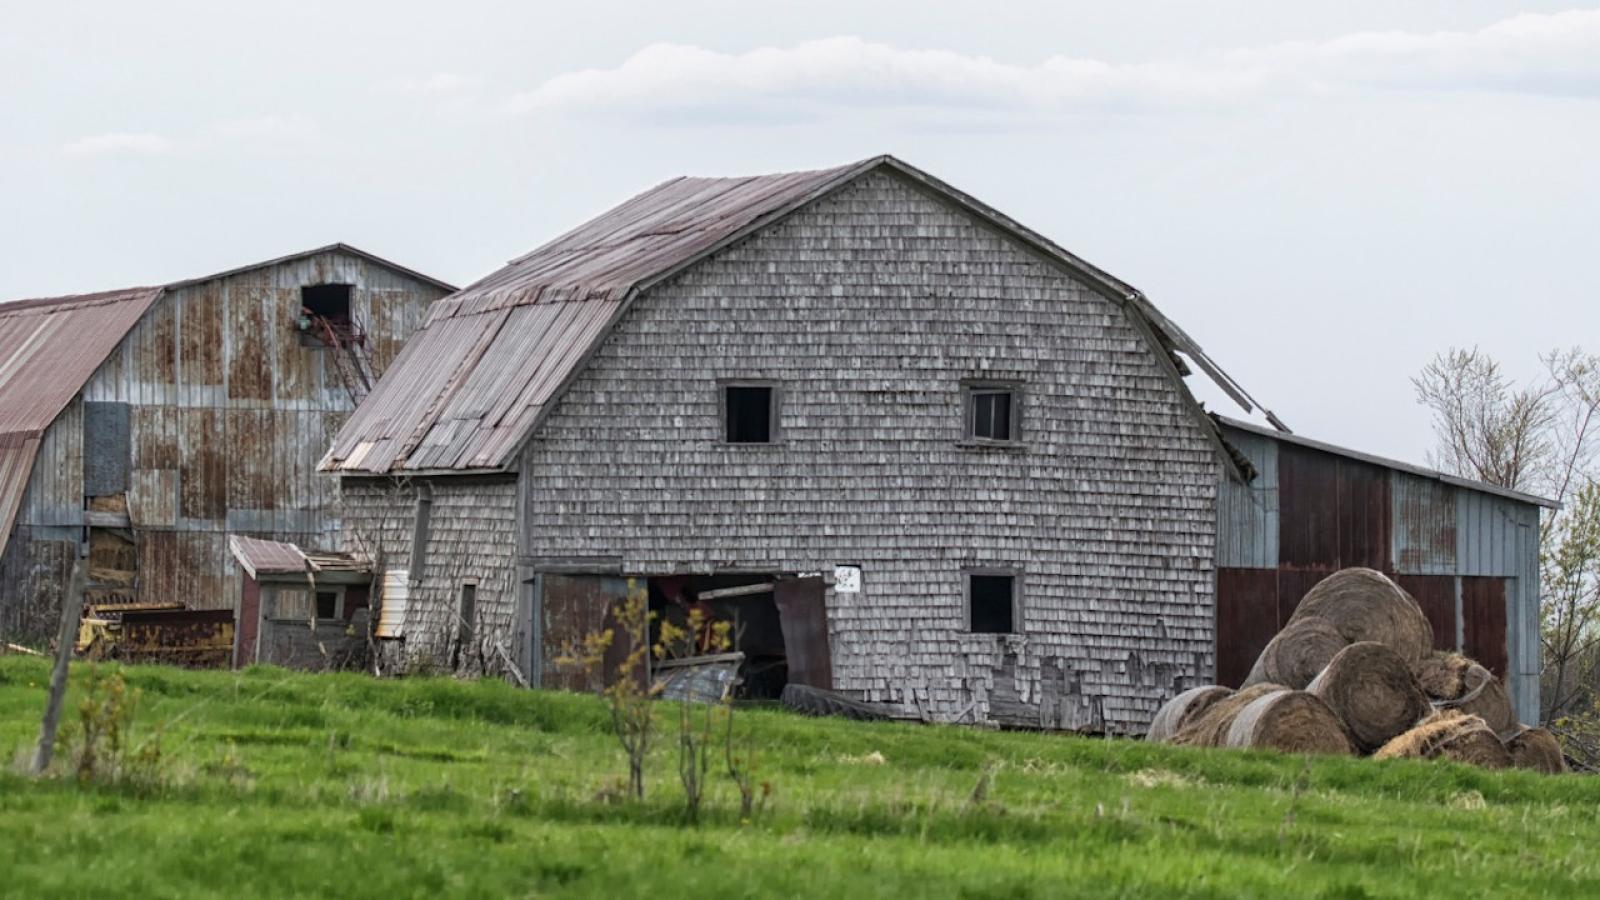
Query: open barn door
{"points": [[804, 618]]}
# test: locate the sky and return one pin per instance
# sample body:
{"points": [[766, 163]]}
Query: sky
{"points": [[1323, 195]]}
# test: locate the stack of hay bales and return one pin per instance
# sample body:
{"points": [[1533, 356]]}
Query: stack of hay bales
{"points": [[1354, 671]]}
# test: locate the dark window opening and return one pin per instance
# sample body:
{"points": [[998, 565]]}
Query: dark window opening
{"points": [[327, 604], [325, 313], [748, 410], [467, 618], [992, 414], [991, 601]]}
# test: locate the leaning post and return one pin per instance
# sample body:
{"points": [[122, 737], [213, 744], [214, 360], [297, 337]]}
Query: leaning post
{"points": [[71, 613]]}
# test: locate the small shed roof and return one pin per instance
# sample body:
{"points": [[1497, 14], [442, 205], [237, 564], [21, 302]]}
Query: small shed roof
{"points": [[469, 389], [262, 558]]}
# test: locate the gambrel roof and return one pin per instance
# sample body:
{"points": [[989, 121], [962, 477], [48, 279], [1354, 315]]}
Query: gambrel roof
{"points": [[472, 386]]}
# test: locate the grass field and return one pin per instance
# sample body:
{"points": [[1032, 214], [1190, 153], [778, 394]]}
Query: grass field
{"points": [[284, 784]]}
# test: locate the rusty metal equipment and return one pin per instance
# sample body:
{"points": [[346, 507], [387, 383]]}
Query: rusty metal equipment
{"points": [[157, 632]]}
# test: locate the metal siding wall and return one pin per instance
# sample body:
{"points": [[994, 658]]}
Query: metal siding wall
{"points": [[1247, 515], [1425, 525]]}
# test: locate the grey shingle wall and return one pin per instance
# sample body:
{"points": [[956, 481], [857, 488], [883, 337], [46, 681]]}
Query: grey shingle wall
{"points": [[472, 535], [869, 307]]}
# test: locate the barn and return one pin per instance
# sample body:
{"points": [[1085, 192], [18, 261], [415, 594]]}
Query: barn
{"points": [[920, 454], [142, 426]]}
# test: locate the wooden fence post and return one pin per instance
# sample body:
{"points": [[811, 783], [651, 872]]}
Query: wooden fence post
{"points": [[71, 614]]}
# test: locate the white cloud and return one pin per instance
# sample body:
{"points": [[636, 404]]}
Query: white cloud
{"points": [[1556, 54], [119, 143]]}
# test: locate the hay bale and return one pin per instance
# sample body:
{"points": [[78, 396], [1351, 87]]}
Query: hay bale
{"points": [[1364, 605], [1372, 691], [1536, 749], [1210, 727], [1443, 675], [1296, 654], [1449, 734], [1486, 697], [1288, 721], [1178, 711]]}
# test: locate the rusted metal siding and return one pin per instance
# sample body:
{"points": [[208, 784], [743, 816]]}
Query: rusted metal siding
{"points": [[1468, 553], [229, 411], [1247, 618]]}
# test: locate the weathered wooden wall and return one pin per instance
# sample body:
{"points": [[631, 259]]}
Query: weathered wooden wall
{"points": [[868, 308], [1470, 558], [471, 536], [228, 413]]}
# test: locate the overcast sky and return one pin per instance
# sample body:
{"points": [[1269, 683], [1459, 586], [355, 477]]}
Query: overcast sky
{"points": [[1323, 195]]}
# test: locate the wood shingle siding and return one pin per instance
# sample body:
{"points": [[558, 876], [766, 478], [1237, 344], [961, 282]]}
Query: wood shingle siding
{"points": [[869, 307]]}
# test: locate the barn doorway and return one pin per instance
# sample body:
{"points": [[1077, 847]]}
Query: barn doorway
{"points": [[777, 622]]}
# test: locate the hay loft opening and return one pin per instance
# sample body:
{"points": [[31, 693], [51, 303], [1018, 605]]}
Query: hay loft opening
{"points": [[325, 313], [750, 413], [991, 602]]}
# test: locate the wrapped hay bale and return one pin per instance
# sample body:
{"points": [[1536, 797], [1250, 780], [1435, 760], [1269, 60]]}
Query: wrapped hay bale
{"points": [[1289, 721], [1443, 675], [1364, 605], [1485, 697], [1209, 727], [1297, 653], [1449, 734], [1180, 710], [1536, 749], [1372, 691]]}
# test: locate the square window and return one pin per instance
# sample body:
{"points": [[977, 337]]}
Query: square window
{"points": [[992, 412], [749, 413], [991, 603], [327, 604]]}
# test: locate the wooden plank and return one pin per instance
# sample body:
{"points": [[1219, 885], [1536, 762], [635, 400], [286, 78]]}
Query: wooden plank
{"points": [[743, 590], [803, 616]]}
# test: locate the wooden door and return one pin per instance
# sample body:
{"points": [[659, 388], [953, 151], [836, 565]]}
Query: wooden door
{"points": [[803, 616], [569, 608], [1483, 619]]}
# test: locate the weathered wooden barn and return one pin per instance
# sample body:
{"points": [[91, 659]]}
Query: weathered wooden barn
{"points": [[1468, 551], [921, 454], [145, 425]]}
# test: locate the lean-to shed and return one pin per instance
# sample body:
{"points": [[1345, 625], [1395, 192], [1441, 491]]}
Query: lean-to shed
{"points": [[144, 425]]}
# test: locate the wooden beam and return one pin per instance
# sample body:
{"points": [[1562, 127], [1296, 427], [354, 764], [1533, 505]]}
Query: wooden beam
{"points": [[743, 590]]}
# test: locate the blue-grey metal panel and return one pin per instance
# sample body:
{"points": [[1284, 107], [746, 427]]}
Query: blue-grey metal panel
{"points": [[106, 448], [1424, 525], [1500, 537], [1247, 514], [1487, 538]]}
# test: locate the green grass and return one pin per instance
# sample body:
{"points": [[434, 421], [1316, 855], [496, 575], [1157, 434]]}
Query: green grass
{"points": [[286, 784]]}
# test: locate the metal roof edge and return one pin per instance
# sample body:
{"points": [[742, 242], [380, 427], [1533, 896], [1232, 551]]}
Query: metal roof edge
{"points": [[337, 247], [1398, 465]]}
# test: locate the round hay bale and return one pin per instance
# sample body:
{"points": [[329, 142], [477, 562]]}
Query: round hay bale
{"points": [[1449, 734], [1443, 675], [1296, 654], [1288, 721], [1372, 691], [1486, 697], [1209, 727], [1364, 605], [1536, 749], [1178, 711]]}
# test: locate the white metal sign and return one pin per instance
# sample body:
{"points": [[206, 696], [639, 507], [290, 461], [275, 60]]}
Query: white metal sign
{"points": [[847, 579]]}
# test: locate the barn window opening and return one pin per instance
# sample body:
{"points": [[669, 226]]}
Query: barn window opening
{"points": [[328, 604], [325, 313], [992, 413], [466, 622], [749, 413], [991, 603]]}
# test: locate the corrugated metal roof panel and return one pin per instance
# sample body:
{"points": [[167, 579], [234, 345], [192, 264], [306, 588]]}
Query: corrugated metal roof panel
{"points": [[466, 389], [48, 349]]}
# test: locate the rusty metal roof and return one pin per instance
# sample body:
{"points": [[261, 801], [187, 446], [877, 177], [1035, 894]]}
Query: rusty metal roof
{"points": [[260, 557], [471, 386], [48, 349]]}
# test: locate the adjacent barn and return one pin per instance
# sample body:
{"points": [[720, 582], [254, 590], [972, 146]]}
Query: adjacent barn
{"points": [[1468, 551], [140, 427], [918, 453]]}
